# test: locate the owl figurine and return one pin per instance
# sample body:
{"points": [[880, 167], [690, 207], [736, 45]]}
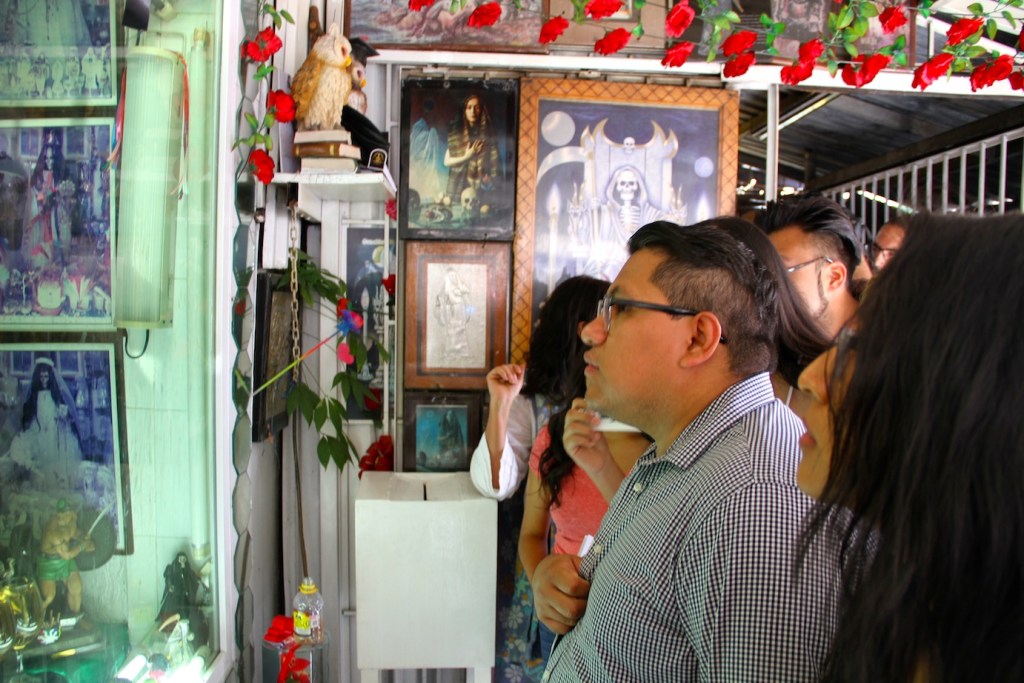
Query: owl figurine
{"points": [[322, 84], [361, 51]]}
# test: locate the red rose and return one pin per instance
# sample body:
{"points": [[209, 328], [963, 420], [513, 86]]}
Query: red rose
{"points": [[892, 19], [554, 28], [264, 46], [963, 29], [599, 9], [811, 50], [741, 41], [926, 74], [484, 15], [417, 5], [991, 71], [679, 19], [391, 209], [282, 105], [869, 68], [612, 42], [389, 284], [261, 166], [373, 402], [677, 54], [342, 306], [796, 72], [738, 65], [387, 444], [1017, 80]]}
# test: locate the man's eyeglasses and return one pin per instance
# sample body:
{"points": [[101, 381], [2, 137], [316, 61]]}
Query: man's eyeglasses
{"points": [[604, 309], [874, 251], [793, 269]]}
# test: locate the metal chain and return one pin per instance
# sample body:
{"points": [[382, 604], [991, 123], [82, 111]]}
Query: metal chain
{"points": [[293, 274]]}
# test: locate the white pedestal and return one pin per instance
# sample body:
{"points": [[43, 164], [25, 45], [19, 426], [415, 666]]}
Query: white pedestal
{"points": [[426, 560]]}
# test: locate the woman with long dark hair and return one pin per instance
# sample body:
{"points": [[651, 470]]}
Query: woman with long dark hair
{"points": [[557, 490], [522, 397], [915, 452]]}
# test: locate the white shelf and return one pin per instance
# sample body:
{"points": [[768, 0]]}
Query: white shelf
{"points": [[342, 186], [317, 187]]}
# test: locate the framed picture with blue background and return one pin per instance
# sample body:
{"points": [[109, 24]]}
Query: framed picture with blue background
{"points": [[441, 430]]}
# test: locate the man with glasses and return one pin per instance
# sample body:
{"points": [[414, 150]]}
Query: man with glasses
{"points": [[690, 576], [886, 243], [817, 241]]}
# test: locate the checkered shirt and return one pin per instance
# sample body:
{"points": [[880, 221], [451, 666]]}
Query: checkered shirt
{"points": [[692, 571]]}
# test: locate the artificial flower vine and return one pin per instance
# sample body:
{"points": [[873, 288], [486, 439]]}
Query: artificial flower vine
{"points": [[837, 49], [280, 107]]}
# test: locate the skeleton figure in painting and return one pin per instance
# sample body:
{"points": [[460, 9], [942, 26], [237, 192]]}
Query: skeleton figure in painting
{"points": [[48, 440], [626, 209]]}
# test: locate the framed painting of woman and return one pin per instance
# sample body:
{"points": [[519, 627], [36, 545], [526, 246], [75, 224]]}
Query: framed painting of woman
{"points": [[458, 159]]}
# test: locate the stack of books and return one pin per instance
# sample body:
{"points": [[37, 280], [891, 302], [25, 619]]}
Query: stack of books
{"points": [[326, 150]]}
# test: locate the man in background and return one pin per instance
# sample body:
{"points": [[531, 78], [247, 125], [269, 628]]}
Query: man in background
{"points": [[817, 241]]}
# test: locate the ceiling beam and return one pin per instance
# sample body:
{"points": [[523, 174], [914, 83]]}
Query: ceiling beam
{"points": [[977, 130]]}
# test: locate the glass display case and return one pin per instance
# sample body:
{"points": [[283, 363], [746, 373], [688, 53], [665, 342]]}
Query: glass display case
{"points": [[111, 550]]}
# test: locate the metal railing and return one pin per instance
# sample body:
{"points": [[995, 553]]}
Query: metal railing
{"points": [[984, 177]]}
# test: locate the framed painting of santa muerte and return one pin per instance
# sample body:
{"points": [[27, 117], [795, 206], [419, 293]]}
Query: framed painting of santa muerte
{"points": [[597, 160], [57, 53], [56, 223], [63, 443]]}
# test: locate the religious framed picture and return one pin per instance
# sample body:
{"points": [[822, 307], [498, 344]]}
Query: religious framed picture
{"points": [[57, 53], [62, 430], [272, 350], [458, 159], [456, 298], [597, 160], [444, 26], [56, 224], [441, 430], [369, 259]]}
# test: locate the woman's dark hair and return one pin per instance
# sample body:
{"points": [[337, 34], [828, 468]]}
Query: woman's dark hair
{"points": [[556, 350], [555, 367], [926, 486], [800, 338]]}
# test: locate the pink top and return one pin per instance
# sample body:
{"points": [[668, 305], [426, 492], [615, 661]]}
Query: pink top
{"points": [[581, 505]]}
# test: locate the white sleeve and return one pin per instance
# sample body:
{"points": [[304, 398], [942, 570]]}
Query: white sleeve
{"points": [[515, 454]]}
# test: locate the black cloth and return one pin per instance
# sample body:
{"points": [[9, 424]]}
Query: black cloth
{"points": [[365, 135]]}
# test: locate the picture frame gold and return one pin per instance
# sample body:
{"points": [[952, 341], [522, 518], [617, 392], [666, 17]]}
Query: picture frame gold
{"points": [[578, 139]]}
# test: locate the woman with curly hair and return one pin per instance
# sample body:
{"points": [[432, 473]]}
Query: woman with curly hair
{"points": [[558, 491], [915, 451]]}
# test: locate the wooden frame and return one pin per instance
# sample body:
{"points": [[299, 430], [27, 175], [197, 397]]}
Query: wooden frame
{"points": [[273, 350], [59, 62], [82, 457], [441, 430], [456, 298], [57, 219], [393, 25], [473, 200], [599, 159]]}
